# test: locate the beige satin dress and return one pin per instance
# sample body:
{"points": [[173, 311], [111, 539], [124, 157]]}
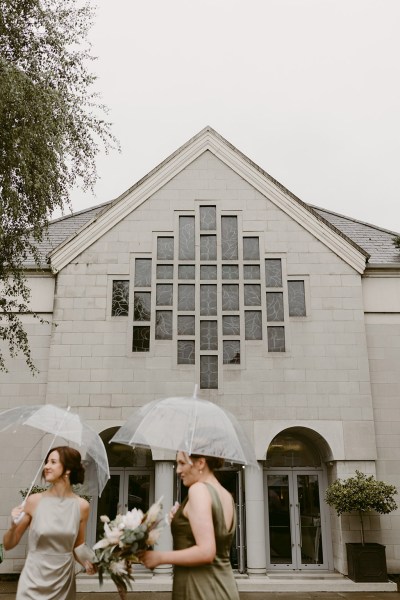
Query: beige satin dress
{"points": [[49, 571]]}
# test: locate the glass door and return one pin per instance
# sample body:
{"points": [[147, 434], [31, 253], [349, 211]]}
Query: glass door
{"points": [[126, 489], [295, 535], [232, 480]]}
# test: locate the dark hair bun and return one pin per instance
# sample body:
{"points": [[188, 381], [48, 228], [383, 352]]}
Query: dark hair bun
{"points": [[71, 461]]}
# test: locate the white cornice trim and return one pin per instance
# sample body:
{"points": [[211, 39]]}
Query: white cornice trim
{"points": [[206, 140]]}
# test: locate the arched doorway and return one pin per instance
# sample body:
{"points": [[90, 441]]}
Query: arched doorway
{"points": [[131, 483], [294, 483]]}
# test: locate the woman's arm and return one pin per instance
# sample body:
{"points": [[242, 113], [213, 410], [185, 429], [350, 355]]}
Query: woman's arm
{"points": [[80, 539], [84, 508], [16, 531], [199, 512]]}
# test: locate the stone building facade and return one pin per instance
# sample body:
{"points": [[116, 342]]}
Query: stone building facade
{"points": [[210, 272]]}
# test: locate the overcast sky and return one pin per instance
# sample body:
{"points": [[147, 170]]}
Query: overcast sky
{"points": [[307, 89]]}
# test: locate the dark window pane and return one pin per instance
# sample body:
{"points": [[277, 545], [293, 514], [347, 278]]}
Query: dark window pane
{"points": [[208, 335], [165, 248], [253, 325], [186, 238], [209, 372], [229, 238], [142, 306], [208, 218], [208, 300], [230, 272], [252, 295], [186, 352], [275, 306], [273, 272], [251, 271], [208, 272], [164, 294], [143, 272], [251, 248], [120, 298], [186, 272], [164, 325], [141, 339], [186, 325], [231, 325], [208, 247], [165, 271], [186, 297], [297, 300], [276, 339], [231, 352], [230, 297]]}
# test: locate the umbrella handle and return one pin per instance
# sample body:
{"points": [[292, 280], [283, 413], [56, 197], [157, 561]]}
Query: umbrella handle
{"points": [[21, 515]]}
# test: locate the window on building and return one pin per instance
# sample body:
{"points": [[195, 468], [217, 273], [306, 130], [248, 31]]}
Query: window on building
{"points": [[211, 291], [120, 298], [296, 298]]}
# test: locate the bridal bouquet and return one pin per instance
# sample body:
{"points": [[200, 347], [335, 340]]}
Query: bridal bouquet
{"points": [[124, 537]]}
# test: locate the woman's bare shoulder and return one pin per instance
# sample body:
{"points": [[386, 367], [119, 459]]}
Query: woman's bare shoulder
{"points": [[32, 502], [83, 505]]}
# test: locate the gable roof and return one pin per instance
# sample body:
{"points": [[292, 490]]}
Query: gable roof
{"points": [[60, 230], [377, 241], [209, 140], [353, 240]]}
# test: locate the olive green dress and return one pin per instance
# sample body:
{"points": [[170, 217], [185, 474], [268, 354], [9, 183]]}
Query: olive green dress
{"points": [[206, 582], [49, 571]]}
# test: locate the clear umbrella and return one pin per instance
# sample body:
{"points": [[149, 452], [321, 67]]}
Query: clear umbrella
{"points": [[62, 423], [188, 424]]}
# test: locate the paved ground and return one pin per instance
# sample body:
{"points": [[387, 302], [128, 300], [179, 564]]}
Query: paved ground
{"points": [[7, 592]]}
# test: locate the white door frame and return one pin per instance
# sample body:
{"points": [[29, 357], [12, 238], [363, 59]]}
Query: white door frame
{"points": [[295, 528], [124, 474]]}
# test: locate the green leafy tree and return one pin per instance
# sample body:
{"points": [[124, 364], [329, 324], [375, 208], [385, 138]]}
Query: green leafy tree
{"points": [[361, 494], [51, 129], [396, 241]]}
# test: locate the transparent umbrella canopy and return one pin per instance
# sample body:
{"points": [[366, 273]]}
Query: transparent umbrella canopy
{"points": [[62, 423], [189, 424]]}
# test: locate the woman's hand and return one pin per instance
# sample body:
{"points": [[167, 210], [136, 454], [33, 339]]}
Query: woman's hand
{"points": [[173, 511], [16, 512], [151, 559], [90, 568]]}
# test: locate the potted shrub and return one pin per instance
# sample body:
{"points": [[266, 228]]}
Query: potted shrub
{"points": [[361, 494]]}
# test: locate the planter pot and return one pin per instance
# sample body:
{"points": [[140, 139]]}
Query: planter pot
{"points": [[366, 563]]}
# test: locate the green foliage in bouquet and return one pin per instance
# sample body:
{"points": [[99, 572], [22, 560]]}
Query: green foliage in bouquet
{"points": [[361, 494]]}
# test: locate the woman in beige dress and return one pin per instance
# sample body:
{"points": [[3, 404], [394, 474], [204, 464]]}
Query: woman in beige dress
{"points": [[57, 520], [202, 529]]}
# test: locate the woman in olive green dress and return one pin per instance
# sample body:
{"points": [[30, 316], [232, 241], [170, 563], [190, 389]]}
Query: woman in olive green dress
{"points": [[202, 529]]}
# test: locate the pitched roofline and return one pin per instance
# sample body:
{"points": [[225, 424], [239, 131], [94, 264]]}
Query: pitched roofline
{"points": [[79, 212], [209, 139], [336, 214]]}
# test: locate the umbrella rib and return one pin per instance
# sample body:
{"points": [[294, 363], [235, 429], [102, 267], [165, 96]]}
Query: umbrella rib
{"points": [[52, 442]]}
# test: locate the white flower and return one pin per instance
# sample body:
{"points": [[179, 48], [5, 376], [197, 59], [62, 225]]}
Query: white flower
{"points": [[118, 567], [101, 544], [104, 519], [132, 519], [111, 537]]}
